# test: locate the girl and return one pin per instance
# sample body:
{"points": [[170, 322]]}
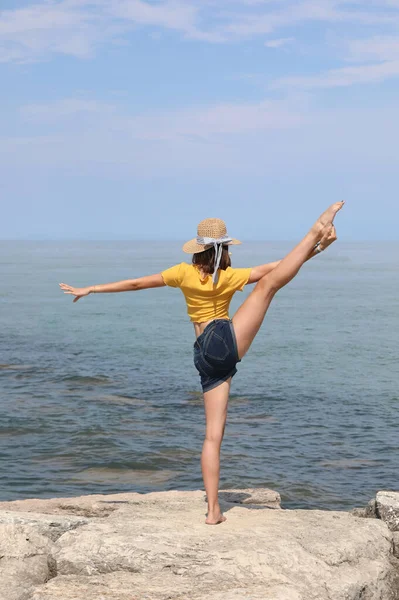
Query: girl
{"points": [[208, 285]]}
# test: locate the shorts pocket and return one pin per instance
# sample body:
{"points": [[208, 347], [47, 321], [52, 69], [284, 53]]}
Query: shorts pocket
{"points": [[216, 347], [197, 356], [199, 363]]}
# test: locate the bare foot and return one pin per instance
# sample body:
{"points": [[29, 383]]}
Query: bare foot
{"points": [[325, 221], [211, 520]]}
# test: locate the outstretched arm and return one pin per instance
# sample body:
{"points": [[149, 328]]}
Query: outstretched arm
{"points": [[262, 270], [127, 285]]}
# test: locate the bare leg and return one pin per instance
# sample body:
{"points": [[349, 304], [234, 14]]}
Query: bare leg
{"points": [[215, 402], [250, 315]]}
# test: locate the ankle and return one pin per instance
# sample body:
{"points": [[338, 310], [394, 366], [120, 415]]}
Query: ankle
{"points": [[316, 232], [214, 509]]}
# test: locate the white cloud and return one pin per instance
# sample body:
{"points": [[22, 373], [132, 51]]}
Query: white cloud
{"points": [[82, 134], [200, 122], [253, 139], [384, 48], [78, 27], [279, 42], [29, 34], [379, 54], [288, 14], [68, 107], [170, 14], [343, 77], [219, 120]]}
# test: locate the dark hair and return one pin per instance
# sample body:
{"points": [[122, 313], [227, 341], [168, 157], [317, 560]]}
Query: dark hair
{"points": [[206, 259]]}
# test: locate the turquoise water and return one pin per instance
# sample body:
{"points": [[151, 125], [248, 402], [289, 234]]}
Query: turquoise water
{"points": [[101, 395]]}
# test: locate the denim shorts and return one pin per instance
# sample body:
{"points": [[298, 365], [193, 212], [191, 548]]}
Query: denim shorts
{"points": [[216, 354]]}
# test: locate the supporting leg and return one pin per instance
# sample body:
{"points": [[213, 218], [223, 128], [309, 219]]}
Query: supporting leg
{"points": [[215, 402]]}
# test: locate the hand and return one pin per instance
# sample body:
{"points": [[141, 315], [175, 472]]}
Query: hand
{"points": [[329, 238], [78, 292]]}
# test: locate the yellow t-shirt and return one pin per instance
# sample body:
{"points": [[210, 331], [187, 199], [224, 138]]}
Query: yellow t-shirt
{"points": [[206, 300]]}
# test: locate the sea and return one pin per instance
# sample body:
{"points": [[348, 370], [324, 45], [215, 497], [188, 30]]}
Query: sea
{"points": [[102, 396]]}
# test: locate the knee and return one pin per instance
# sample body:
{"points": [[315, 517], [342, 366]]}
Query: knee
{"points": [[214, 437], [268, 284]]}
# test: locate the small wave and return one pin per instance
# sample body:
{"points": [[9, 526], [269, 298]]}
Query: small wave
{"points": [[86, 379], [251, 419], [104, 475], [121, 399], [350, 463], [16, 367]]}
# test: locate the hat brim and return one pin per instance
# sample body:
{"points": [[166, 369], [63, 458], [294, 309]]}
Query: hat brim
{"points": [[192, 246]]}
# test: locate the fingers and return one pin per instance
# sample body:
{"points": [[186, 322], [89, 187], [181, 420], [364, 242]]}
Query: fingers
{"points": [[64, 286], [325, 240], [329, 237], [73, 294], [68, 289]]}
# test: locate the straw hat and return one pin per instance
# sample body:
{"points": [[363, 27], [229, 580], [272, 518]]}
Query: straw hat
{"points": [[207, 230]]}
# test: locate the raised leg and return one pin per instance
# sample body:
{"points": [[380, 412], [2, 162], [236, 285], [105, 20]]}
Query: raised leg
{"points": [[215, 402], [250, 315]]}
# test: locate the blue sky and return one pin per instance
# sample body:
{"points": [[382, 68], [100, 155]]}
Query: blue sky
{"points": [[135, 119]]}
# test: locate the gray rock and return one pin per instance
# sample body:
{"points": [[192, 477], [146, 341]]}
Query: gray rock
{"points": [[51, 526], [396, 544], [359, 512], [96, 505], [371, 509], [163, 586], [25, 561], [387, 506], [262, 496], [157, 547], [299, 554]]}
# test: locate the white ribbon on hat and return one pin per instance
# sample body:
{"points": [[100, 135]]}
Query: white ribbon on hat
{"points": [[217, 243]]}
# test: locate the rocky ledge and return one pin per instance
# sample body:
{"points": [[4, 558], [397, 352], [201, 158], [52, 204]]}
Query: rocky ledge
{"points": [[156, 546]]}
